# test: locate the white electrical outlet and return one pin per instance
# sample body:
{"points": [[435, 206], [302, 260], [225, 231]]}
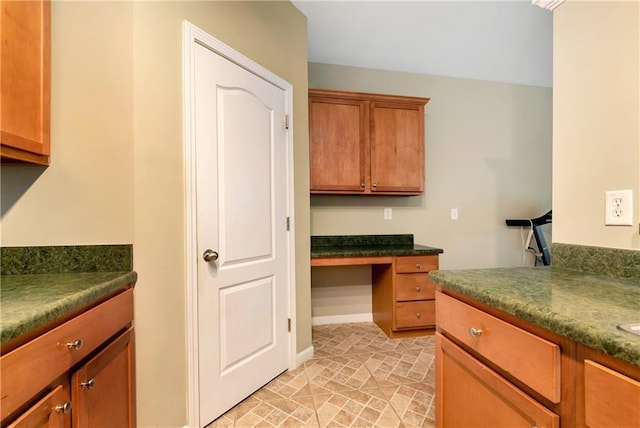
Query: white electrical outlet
{"points": [[618, 208], [454, 213], [388, 214]]}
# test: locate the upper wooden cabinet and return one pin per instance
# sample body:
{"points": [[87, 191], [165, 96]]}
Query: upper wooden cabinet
{"points": [[25, 81], [366, 143]]}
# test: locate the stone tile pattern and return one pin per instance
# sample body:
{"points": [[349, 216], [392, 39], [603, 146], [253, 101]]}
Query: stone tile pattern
{"points": [[367, 246], [614, 262], [358, 377], [66, 259], [583, 307]]}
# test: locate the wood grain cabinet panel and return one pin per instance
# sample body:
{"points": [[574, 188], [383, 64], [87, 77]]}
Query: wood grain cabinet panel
{"points": [[25, 81], [366, 143], [471, 395], [504, 344], [90, 357]]}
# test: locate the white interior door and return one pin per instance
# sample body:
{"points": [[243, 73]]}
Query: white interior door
{"points": [[241, 199]]}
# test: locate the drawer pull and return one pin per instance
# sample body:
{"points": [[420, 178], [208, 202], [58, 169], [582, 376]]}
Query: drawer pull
{"points": [[76, 344], [475, 332], [418, 315], [88, 384], [63, 408], [417, 265], [418, 289]]}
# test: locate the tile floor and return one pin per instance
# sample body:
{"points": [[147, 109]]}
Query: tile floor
{"points": [[358, 377]]}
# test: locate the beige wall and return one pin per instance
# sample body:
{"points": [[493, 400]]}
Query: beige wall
{"points": [[488, 153], [272, 34], [116, 174], [596, 134], [86, 195]]}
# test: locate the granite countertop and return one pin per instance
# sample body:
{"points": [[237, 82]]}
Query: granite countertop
{"points": [[34, 300], [40, 285], [368, 246], [583, 307]]}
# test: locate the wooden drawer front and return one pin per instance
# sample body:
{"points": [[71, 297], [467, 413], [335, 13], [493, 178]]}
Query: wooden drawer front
{"points": [[415, 314], [31, 367], [46, 413], [529, 358], [469, 394], [413, 264], [611, 399], [414, 286]]}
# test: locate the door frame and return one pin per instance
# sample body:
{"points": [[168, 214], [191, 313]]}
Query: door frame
{"points": [[190, 36]]}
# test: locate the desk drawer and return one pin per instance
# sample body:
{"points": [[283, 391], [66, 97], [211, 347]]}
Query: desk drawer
{"points": [[527, 357], [413, 264], [30, 368], [414, 286], [415, 314]]}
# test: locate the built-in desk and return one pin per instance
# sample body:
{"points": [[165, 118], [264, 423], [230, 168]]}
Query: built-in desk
{"points": [[402, 302]]}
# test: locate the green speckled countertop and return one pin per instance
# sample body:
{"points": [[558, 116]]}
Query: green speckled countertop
{"points": [[581, 306], [367, 246], [40, 285]]}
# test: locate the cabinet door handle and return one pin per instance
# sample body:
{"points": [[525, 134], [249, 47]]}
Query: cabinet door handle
{"points": [[63, 408], [375, 185], [88, 384], [362, 185], [75, 344], [475, 332], [417, 265], [418, 289], [418, 315]]}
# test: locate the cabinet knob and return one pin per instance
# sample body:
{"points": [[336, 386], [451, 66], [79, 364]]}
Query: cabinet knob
{"points": [[362, 185], [418, 315], [88, 384], [418, 289], [75, 344], [417, 265], [375, 185], [475, 332], [63, 408]]}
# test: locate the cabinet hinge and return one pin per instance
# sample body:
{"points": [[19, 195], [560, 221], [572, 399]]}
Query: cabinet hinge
{"points": [[289, 325], [288, 224], [286, 121]]}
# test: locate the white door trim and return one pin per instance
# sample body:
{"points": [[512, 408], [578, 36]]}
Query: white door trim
{"points": [[191, 35]]}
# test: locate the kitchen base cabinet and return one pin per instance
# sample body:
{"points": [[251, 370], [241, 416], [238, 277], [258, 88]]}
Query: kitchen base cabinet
{"points": [[608, 391], [403, 302], [469, 394], [80, 373], [50, 412]]}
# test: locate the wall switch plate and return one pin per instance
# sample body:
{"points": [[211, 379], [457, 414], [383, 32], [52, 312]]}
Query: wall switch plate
{"points": [[618, 208], [454, 213], [388, 214]]}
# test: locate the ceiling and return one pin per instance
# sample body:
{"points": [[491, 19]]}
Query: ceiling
{"points": [[504, 41]]}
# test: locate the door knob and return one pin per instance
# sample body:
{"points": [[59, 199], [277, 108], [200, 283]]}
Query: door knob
{"points": [[210, 256]]}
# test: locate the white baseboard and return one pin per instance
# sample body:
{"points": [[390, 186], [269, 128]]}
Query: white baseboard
{"points": [[342, 319], [305, 355]]}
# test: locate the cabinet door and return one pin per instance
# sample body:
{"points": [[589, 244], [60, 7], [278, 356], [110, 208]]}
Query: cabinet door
{"points": [[103, 389], [337, 135], [397, 147], [50, 412], [611, 399], [25, 81], [469, 394]]}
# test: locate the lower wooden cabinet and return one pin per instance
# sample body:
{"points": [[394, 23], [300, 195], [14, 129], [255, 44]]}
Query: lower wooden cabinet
{"points": [[403, 298], [471, 395], [79, 374], [608, 391], [496, 370]]}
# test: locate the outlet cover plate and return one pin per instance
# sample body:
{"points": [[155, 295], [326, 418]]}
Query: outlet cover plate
{"points": [[618, 208]]}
